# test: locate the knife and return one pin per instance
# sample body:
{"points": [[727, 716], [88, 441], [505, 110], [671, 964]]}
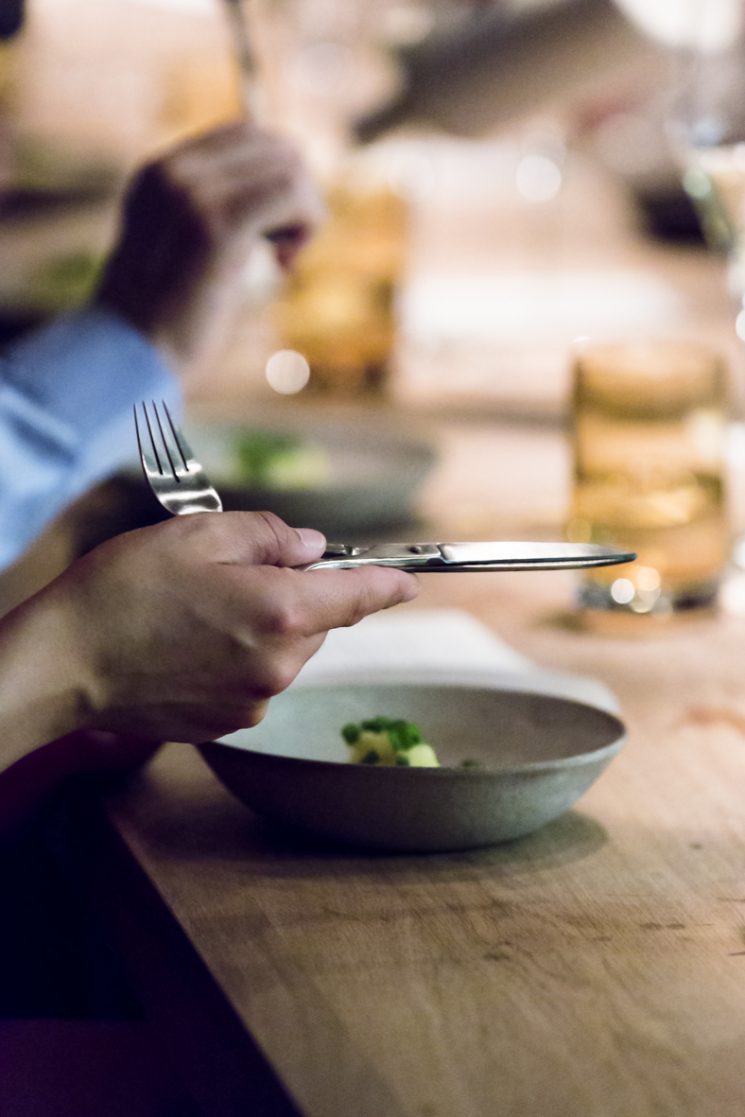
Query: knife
{"points": [[458, 557]]}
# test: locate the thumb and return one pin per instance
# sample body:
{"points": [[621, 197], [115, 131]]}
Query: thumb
{"points": [[265, 540]]}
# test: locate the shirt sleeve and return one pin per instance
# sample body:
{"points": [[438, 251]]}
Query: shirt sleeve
{"points": [[66, 396]]}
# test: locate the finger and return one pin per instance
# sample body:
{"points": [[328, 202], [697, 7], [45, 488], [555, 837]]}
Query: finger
{"points": [[298, 606], [342, 598], [232, 133], [247, 538], [268, 540], [195, 163], [260, 198], [246, 157]]}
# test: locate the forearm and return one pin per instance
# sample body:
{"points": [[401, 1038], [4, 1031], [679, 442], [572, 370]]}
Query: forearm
{"points": [[40, 696]]}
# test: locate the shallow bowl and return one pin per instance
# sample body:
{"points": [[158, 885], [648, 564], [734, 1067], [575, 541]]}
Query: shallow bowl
{"points": [[536, 754]]}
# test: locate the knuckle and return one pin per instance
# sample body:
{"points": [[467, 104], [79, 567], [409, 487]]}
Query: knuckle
{"points": [[286, 615], [275, 678], [285, 619]]}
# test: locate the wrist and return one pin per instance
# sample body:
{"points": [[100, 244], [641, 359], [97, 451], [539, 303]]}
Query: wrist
{"points": [[41, 694]]}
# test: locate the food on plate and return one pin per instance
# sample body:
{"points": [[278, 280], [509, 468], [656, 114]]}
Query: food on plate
{"points": [[392, 742], [278, 460]]}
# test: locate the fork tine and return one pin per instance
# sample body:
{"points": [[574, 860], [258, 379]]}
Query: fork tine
{"points": [[148, 456], [175, 476], [184, 448], [164, 439]]}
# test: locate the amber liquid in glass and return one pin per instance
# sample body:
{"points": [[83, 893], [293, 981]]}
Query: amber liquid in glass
{"points": [[339, 305], [648, 444]]}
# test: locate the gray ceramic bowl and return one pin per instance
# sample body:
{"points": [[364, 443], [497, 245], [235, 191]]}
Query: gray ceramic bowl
{"points": [[537, 754]]}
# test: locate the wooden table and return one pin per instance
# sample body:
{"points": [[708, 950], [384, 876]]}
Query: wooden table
{"points": [[593, 968]]}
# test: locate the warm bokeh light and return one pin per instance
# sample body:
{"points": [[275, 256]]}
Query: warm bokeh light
{"points": [[287, 372], [538, 178]]}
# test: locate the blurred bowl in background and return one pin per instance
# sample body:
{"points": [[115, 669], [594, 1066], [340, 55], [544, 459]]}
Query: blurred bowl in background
{"points": [[340, 478]]}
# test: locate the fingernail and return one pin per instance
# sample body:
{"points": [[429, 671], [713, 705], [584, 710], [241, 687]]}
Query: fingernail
{"points": [[310, 538]]}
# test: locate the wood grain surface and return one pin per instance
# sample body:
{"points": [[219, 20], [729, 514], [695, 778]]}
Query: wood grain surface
{"points": [[595, 967]]}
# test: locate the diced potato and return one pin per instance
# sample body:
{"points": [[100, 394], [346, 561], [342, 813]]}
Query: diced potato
{"points": [[421, 756], [373, 747], [388, 742]]}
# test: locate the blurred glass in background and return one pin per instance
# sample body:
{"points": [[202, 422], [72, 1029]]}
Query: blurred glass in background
{"points": [[648, 423], [321, 65], [454, 140]]}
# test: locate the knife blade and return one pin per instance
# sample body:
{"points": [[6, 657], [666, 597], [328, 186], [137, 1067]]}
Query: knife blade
{"points": [[502, 555]]}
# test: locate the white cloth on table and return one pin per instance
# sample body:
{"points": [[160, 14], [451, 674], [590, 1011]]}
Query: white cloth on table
{"points": [[440, 645]]}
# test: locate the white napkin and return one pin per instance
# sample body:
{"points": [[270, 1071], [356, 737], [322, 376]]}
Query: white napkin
{"points": [[440, 645]]}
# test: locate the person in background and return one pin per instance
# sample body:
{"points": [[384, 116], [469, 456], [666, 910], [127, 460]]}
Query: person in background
{"points": [[184, 630], [156, 324]]}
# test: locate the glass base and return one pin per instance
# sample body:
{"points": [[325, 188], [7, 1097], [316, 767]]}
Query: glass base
{"points": [[732, 596], [594, 596]]}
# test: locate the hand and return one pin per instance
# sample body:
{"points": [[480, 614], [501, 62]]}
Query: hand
{"points": [[190, 220], [184, 630]]}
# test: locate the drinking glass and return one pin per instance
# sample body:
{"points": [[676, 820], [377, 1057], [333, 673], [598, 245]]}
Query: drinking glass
{"points": [[324, 64], [648, 444]]}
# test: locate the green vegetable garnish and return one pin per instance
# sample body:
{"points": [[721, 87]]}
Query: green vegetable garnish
{"points": [[279, 460], [258, 450], [376, 725], [404, 734], [388, 742]]}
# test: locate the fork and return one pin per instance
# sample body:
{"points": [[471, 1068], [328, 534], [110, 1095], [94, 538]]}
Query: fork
{"points": [[175, 476], [181, 485]]}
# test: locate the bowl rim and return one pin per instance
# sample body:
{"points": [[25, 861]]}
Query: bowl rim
{"points": [[364, 771]]}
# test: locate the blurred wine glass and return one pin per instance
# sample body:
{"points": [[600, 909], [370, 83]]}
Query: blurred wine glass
{"points": [[707, 126], [706, 116], [707, 129]]}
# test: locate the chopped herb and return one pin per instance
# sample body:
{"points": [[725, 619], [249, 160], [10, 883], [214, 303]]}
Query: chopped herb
{"points": [[388, 741], [404, 734], [375, 725]]}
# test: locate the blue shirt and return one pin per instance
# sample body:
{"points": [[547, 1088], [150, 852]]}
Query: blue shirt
{"points": [[66, 398]]}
